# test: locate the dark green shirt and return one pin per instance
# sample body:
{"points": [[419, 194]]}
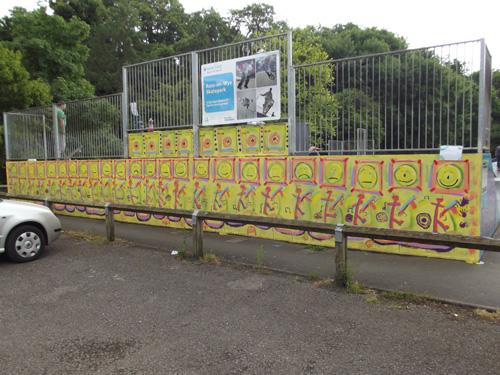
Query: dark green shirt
{"points": [[61, 115]]}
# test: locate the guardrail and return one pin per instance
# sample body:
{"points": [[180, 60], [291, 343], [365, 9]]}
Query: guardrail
{"points": [[341, 231]]}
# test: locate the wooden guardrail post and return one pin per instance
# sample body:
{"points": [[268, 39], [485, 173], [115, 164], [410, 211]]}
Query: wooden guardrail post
{"points": [[340, 255], [110, 222], [197, 235]]}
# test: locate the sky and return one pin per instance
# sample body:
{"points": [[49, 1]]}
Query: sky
{"points": [[423, 23]]}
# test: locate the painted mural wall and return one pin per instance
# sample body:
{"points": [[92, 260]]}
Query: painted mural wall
{"points": [[417, 192]]}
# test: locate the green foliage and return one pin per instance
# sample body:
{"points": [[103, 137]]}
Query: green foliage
{"points": [[254, 20], [115, 42], [52, 50], [349, 40], [315, 247], [204, 29], [495, 112], [315, 100], [17, 90], [313, 275], [161, 21], [89, 11]]}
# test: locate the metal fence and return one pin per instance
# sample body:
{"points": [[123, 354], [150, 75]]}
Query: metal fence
{"points": [[94, 128], [405, 101], [159, 93], [401, 102], [28, 134]]}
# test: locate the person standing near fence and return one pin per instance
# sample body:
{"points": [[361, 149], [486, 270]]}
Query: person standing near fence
{"points": [[61, 131]]}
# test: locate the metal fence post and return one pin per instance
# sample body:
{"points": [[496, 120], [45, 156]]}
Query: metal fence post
{"points": [[340, 255], [55, 131], [196, 103], [110, 222], [6, 136], [125, 112], [485, 83], [292, 129], [49, 204], [197, 235]]}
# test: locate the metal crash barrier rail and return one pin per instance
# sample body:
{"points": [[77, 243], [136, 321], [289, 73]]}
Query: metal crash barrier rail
{"points": [[340, 231]]}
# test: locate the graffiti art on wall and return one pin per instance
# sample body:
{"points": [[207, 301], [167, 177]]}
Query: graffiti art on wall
{"points": [[390, 192], [268, 139]]}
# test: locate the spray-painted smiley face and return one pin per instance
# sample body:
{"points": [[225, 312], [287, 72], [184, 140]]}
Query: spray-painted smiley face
{"points": [[106, 169], [449, 176], [303, 171], [334, 173], [13, 170], [83, 170], [94, 170], [367, 176], [51, 170], [62, 170], [249, 172], [165, 170], [181, 169], [120, 170], [31, 170], [150, 169], [405, 175], [40, 171], [135, 169], [22, 171], [224, 169], [201, 169], [276, 172], [72, 169]]}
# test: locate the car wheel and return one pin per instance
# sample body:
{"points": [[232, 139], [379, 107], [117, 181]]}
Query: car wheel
{"points": [[24, 244]]}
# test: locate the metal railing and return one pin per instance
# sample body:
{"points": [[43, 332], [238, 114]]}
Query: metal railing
{"points": [[342, 232], [398, 102], [160, 91], [94, 127], [28, 134], [404, 101]]}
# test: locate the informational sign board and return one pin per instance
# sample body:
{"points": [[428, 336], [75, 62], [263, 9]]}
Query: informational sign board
{"points": [[242, 90]]}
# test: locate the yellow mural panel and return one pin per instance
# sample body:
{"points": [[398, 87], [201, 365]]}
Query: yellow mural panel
{"points": [[152, 144], [400, 192], [168, 140], [136, 145], [208, 143], [184, 143]]}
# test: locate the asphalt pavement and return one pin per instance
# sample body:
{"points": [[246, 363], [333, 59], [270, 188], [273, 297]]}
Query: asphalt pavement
{"points": [[455, 282], [125, 308]]}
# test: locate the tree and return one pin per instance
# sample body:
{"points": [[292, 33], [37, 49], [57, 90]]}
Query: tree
{"points": [[349, 40], [204, 29], [161, 21], [254, 20], [316, 103], [495, 112], [91, 12], [115, 42], [52, 50], [17, 91]]}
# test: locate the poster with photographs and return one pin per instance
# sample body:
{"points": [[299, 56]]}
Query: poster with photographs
{"points": [[242, 90]]}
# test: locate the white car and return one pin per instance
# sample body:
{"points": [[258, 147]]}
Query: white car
{"points": [[25, 229]]}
